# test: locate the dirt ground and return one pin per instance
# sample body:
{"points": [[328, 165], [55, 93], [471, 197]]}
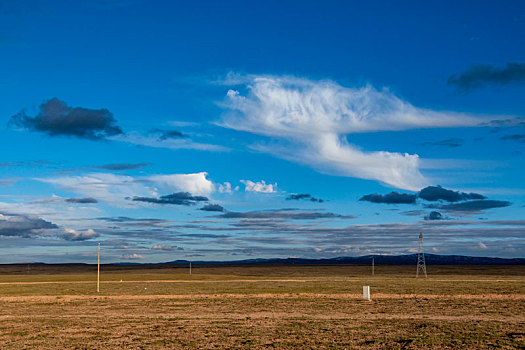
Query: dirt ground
{"points": [[289, 307]]}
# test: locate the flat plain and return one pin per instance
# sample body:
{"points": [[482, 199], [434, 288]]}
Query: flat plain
{"points": [[256, 307]]}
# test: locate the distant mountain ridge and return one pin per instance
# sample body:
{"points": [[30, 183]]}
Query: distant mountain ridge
{"points": [[410, 259]]}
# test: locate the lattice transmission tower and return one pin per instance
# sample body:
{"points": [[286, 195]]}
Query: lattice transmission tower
{"points": [[421, 258]]}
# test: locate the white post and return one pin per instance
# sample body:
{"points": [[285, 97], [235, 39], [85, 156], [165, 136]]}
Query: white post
{"points": [[366, 292], [190, 267], [98, 270]]}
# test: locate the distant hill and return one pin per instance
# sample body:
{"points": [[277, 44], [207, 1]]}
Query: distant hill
{"points": [[411, 259]]}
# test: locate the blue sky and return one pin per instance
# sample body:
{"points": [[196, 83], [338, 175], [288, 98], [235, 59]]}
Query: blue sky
{"points": [[228, 130]]}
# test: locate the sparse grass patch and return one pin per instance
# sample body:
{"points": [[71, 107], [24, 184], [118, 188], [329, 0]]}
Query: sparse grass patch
{"points": [[260, 308]]}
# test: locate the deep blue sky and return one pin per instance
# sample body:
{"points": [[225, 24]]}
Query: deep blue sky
{"points": [[123, 119]]}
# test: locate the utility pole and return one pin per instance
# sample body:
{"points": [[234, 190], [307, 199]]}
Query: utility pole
{"points": [[98, 270], [421, 258], [373, 266], [190, 267]]}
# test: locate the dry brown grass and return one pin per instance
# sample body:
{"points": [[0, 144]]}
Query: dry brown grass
{"points": [[265, 307]]}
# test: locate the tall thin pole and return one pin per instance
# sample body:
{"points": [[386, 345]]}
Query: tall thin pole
{"points": [[190, 267], [98, 270], [373, 266]]}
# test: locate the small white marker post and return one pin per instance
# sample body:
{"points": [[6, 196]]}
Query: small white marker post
{"points": [[98, 270], [366, 293]]}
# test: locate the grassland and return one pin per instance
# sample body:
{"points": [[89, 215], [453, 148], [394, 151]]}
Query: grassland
{"points": [[310, 307]]}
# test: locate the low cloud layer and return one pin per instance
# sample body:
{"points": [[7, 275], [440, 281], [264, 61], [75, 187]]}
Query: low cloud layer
{"points": [[179, 198], [282, 214], [311, 121], [303, 196], [55, 118], [480, 75]]}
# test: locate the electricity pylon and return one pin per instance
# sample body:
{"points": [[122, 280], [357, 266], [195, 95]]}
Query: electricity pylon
{"points": [[421, 258]]}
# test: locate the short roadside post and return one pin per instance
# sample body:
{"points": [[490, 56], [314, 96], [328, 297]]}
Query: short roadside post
{"points": [[366, 293]]}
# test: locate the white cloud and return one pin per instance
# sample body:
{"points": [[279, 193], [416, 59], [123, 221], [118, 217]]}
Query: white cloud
{"points": [[133, 256], [115, 189], [482, 246], [227, 188], [196, 184], [74, 235], [314, 118], [261, 186]]}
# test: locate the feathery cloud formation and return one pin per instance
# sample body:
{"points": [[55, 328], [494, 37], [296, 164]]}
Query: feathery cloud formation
{"points": [[313, 118]]}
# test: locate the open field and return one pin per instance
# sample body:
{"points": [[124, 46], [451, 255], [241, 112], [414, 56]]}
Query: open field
{"points": [[317, 307]]}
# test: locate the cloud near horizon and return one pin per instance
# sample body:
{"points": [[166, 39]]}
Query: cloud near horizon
{"points": [[313, 119], [55, 118]]}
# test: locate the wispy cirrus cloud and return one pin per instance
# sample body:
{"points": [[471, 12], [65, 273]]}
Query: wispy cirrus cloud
{"points": [[139, 139], [313, 118]]}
